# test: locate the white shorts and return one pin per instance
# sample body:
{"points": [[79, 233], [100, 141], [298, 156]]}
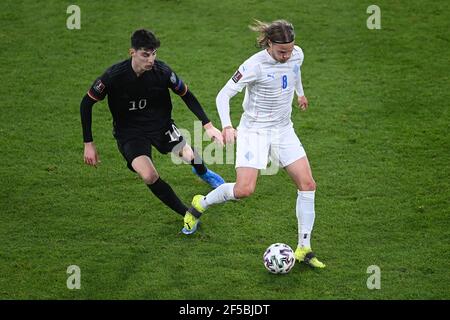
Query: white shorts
{"points": [[255, 148]]}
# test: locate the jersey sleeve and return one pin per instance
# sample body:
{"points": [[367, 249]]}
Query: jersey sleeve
{"points": [[175, 83], [245, 75], [301, 55], [298, 71], [99, 88]]}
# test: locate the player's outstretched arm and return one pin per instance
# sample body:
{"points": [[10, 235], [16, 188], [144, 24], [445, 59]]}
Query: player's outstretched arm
{"points": [[90, 152], [192, 103]]}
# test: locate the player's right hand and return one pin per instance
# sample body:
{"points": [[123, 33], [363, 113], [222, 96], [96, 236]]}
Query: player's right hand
{"points": [[229, 134], [90, 154]]}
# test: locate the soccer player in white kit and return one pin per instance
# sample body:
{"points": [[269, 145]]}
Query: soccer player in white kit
{"points": [[265, 131]]}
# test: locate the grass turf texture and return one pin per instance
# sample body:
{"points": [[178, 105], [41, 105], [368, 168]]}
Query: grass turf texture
{"points": [[376, 133]]}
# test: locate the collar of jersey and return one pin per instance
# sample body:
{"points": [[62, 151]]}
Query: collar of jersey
{"points": [[131, 75]]}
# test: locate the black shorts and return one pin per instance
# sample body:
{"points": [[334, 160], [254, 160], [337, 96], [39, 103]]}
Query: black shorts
{"points": [[165, 141]]}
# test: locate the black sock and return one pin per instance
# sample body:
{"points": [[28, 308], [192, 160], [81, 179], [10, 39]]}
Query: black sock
{"points": [[166, 194], [198, 163]]}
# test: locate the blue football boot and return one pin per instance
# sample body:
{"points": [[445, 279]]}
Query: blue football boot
{"points": [[210, 177]]}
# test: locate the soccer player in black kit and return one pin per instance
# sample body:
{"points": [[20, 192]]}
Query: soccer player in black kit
{"points": [[140, 104]]}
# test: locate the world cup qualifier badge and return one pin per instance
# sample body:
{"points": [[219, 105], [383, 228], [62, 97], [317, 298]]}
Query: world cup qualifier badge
{"points": [[99, 86], [237, 76]]}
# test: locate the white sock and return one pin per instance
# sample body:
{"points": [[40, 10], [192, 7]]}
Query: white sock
{"points": [[222, 193], [305, 217]]}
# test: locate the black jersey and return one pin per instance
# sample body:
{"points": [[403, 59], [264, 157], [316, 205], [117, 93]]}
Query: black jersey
{"points": [[138, 104]]}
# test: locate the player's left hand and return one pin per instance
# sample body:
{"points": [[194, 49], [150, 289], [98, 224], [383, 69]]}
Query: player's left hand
{"points": [[214, 133], [303, 103]]}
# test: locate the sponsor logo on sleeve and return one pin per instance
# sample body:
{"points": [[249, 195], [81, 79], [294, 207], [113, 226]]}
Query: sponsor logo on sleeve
{"points": [[237, 76]]}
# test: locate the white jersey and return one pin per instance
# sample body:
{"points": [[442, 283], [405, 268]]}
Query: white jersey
{"points": [[269, 90]]}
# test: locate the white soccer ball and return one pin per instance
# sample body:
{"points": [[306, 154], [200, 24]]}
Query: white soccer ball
{"points": [[279, 258]]}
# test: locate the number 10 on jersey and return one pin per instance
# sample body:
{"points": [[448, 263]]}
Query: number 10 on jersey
{"points": [[141, 105], [174, 135]]}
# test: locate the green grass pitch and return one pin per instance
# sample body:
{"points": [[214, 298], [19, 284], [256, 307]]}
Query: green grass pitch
{"points": [[376, 133]]}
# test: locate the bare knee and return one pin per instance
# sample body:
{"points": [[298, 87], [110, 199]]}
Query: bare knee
{"points": [[149, 176], [309, 185], [243, 191]]}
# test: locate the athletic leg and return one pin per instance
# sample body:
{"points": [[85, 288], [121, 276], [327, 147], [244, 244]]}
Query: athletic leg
{"points": [[243, 187], [144, 167], [300, 172]]}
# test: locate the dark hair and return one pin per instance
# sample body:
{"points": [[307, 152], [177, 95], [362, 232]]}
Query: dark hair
{"points": [[279, 31], [144, 39]]}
